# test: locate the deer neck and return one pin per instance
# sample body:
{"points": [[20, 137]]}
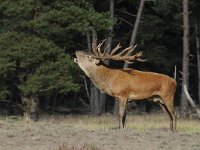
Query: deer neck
{"points": [[101, 77]]}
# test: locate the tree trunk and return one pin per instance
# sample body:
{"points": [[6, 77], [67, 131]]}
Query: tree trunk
{"points": [[136, 26], [109, 41], [135, 29], [198, 61], [191, 101], [89, 42], [110, 29], [185, 68], [30, 104], [97, 105]]}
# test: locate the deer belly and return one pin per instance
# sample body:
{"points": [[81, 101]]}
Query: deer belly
{"points": [[138, 95], [135, 96]]}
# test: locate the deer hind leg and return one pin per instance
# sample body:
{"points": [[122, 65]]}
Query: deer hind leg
{"points": [[122, 113], [173, 115], [169, 108]]}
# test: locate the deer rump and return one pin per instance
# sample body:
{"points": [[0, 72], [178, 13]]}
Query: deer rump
{"points": [[128, 84]]}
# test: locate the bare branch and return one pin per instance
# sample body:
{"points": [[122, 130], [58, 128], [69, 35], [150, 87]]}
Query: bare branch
{"points": [[188, 96], [125, 12], [191, 100], [126, 21]]}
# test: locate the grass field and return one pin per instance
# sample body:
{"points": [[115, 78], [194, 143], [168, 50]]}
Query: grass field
{"points": [[86, 132], [136, 122]]}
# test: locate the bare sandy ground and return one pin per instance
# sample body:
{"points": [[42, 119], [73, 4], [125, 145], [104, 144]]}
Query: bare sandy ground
{"points": [[52, 134]]}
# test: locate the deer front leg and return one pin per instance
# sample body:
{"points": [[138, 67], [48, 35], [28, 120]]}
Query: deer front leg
{"points": [[122, 113]]}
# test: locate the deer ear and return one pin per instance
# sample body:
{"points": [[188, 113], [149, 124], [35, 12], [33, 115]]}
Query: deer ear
{"points": [[97, 61]]}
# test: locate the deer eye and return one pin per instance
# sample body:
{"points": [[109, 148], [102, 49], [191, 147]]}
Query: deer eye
{"points": [[89, 56]]}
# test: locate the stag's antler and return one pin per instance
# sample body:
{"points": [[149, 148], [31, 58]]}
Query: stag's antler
{"points": [[124, 55]]}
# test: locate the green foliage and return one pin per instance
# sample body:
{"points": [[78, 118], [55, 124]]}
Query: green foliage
{"points": [[52, 76], [38, 63], [79, 16], [54, 19]]}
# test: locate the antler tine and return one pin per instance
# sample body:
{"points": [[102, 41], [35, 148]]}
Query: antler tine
{"points": [[104, 52], [135, 46], [115, 49], [97, 51], [134, 57], [129, 49], [128, 62], [94, 44], [99, 46], [94, 47], [141, 60], [126, 56], [138, 55]]}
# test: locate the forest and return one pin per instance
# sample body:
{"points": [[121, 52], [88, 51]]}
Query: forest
{"points": [[38, 39]]}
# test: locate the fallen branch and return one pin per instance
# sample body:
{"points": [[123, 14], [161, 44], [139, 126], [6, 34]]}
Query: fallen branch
{"points": [[191, 100]]}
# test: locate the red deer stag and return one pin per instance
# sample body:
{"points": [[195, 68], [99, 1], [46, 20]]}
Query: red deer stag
{"points": [[127, 84]]}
